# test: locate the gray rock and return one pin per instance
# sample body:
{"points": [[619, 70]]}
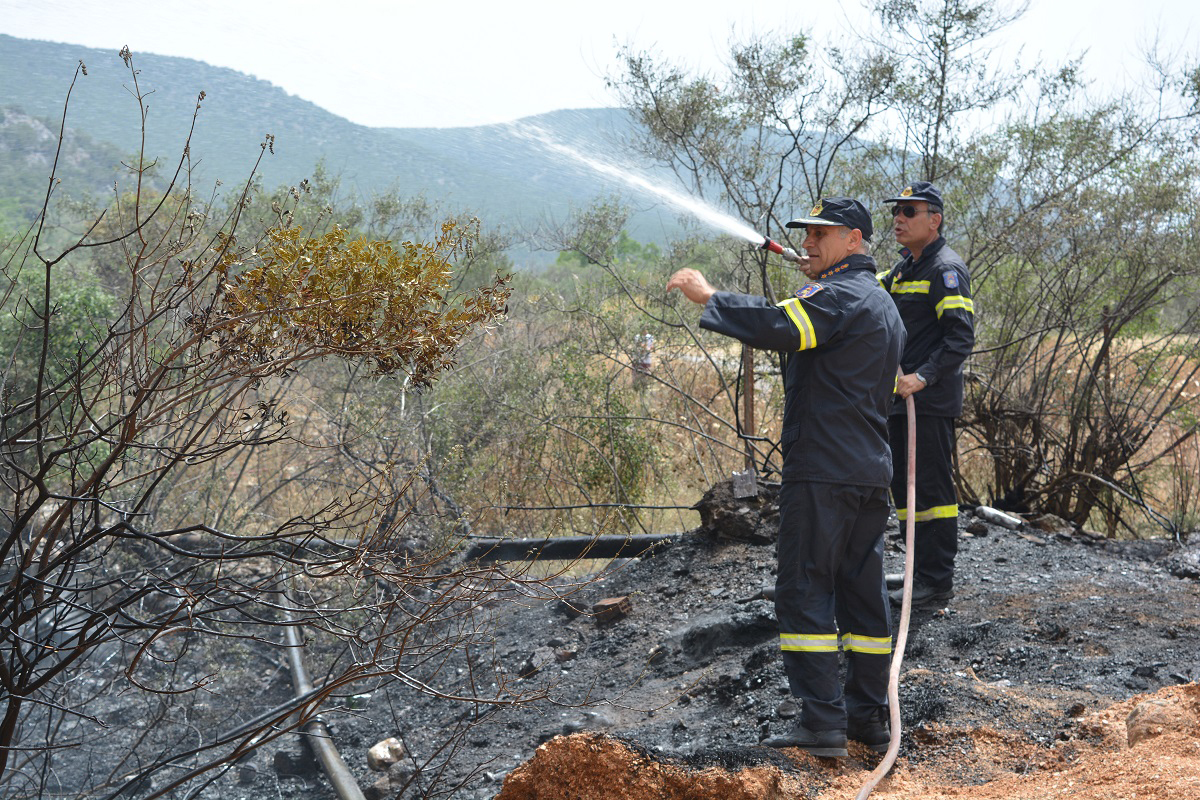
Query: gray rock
{"points": [[384, 754]]}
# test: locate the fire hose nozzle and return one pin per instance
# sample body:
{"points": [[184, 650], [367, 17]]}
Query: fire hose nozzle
{"points": [[788, 253]]}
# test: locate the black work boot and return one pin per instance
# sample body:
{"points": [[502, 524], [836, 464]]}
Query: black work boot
{"points": [[831, 744], [924, 595], [873, 730]]}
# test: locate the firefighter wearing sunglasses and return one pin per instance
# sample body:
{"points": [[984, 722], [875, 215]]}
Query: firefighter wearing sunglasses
{"points": [[931, 287]]}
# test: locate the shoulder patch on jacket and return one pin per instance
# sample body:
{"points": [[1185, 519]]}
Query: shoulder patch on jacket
{"points": [[950, 278], [809, 290]]}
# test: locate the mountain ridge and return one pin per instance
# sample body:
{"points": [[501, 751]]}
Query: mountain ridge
{"points": [[506, 179]]}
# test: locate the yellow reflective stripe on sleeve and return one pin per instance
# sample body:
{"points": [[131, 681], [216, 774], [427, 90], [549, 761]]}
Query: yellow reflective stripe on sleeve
{"points": [[911, 287], [937, 512], [809, 642], [799, 318], [880, 276], [955, 301], [876, 645]]}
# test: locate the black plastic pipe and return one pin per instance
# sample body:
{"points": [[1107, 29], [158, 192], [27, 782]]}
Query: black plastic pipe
{"points": [[567, 547]]}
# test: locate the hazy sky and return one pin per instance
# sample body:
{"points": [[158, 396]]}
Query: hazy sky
{"points": [[469, 62]]}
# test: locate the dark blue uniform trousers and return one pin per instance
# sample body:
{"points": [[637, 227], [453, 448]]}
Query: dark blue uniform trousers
{"points": [[936, 531], [829, 592]]}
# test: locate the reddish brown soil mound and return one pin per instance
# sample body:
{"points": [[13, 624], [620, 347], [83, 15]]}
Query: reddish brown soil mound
{"points": [[600, 768], [1162, 764]]}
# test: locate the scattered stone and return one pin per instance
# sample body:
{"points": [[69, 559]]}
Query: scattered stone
{"points": [[788, 709], [590, 721], [611, 609], [390, 783], [750, 519], [384, 754], [977, 528], [1148, 670], [570, 608], [293, 764], [1184, 562], [1051, 523], [535, 661], [1152, 718], [564, 654]]}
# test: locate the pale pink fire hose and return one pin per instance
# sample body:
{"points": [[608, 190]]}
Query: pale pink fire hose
{"points": [[889, 758]]}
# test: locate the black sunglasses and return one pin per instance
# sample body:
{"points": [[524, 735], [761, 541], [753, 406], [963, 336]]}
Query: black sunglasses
{"points": [[911, 211]]}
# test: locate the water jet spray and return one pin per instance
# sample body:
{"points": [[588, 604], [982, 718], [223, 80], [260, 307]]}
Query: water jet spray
{"points": [[691, 205]]}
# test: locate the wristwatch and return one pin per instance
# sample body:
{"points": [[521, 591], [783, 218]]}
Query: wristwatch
{"points": [[921, 378]]}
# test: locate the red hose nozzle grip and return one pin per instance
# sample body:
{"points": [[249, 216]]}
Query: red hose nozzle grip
{"points": [[773, 246], [788, 253]]}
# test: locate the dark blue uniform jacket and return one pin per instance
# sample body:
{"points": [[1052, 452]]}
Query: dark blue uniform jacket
{"points": [[843, 338], [934, 298]]}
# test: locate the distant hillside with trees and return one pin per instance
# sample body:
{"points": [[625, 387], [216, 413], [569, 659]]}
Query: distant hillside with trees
{"points": [[493, 171]]}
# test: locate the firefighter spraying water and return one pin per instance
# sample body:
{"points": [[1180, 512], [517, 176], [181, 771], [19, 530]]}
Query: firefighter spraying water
{"points": [[840, 329], [843, 338]]}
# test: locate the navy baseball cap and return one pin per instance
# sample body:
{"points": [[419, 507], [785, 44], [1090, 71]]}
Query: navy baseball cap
{"points": [[838, 211], [919, 190]]}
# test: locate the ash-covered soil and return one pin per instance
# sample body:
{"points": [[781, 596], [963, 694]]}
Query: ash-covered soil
{"points": [[1053, 638]]}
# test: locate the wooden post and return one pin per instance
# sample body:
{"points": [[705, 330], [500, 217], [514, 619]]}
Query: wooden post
{"points": [[748, 423]]}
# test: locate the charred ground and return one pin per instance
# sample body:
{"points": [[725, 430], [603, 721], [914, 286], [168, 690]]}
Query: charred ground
{"points": [[1050, 631]]}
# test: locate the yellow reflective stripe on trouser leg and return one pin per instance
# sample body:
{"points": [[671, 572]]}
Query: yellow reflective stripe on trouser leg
{"points": [[875, 645], [937, 512], [809, 642], [799, 318], [954, 301]]}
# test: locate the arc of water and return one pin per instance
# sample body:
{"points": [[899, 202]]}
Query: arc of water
{"points": [[686, 203]]}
